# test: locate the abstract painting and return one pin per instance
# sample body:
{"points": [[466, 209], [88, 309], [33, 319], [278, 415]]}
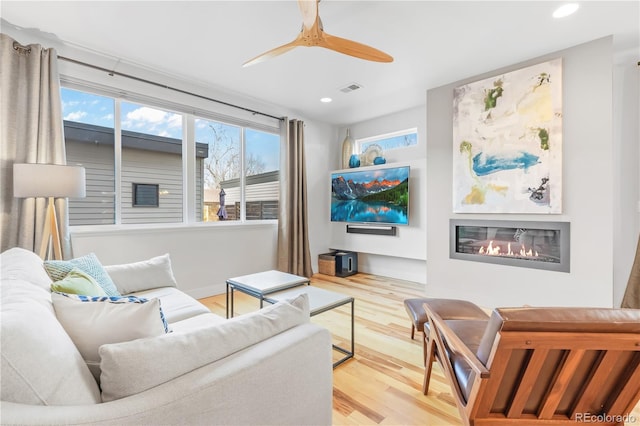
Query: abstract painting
{"points": [[507, 142]]}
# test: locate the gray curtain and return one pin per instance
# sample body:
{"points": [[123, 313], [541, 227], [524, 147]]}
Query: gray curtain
{"points": [[293, 235], [31, 131], [631, 297]]}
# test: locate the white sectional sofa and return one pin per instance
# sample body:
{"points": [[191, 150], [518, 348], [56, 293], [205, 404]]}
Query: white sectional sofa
{"points": [[267, 367]]}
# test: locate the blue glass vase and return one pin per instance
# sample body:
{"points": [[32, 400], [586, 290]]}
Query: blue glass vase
{"points": [[354, 161]]}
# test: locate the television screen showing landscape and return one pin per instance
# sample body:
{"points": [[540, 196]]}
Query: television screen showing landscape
{"points": [[377, 195]]}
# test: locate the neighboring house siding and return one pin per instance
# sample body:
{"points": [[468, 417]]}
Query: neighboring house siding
{"points": [[98, 206], [164, 169], [262, 196], [160, 162]]}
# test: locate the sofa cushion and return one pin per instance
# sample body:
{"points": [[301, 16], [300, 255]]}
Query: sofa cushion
{"points": [[176, 305], [94, 321], [132, 367], [39, 365], [21, 264], [78, 282], [139, 276], [195, 322], [58, 269]]}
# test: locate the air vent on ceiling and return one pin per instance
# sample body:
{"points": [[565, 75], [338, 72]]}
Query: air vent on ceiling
{"points": [[350, 87]]}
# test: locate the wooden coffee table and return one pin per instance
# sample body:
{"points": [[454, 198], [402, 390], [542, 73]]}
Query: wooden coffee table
{"points": [[261, 284]]}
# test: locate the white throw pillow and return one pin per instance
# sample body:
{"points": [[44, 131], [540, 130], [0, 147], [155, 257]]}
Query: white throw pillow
{"points": [[147, 274], [92, 321], [133, 367]]}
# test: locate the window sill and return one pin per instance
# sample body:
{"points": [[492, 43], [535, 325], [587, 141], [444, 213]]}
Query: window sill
{"points": [[162, 227]]}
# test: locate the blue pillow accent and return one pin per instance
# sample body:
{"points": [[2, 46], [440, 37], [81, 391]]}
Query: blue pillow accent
{"points": [[58, 270]]}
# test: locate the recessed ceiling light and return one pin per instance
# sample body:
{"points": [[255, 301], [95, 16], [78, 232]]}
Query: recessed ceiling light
{"points": [[325, 100], [565, 10]]}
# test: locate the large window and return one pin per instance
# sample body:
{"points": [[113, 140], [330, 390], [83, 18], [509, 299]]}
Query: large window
{"points": [[224, 183], [89, 138], [151, 154], [262, 153], [236, 166], [221, 164]]}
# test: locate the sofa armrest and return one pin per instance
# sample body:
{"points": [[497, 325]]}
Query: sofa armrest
{"points": [[286, 379]]}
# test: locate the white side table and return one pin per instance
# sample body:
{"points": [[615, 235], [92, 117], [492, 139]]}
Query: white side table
{"points": [[260, 284]]}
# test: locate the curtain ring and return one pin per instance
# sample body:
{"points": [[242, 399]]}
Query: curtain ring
{"points": [[22, 50]]}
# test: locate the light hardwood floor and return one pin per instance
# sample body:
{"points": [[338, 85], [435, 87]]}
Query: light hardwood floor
{"points": [[382, 384]]}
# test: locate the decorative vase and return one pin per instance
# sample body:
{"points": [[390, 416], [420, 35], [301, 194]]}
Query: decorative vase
{"points": [[354, 161], [347, 150], [379, 160]]}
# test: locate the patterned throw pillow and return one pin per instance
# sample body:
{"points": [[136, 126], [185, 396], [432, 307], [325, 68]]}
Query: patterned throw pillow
{"points": [[59, 269], [92, 321]]}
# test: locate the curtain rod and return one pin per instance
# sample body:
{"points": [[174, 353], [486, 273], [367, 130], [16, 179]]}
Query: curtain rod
{"points": [[164, 86]]}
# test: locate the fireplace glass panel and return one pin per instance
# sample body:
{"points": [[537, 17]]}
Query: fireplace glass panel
{"points": [[540, 245]]}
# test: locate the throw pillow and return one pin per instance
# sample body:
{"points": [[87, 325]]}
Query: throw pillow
{"points": [[133, 367], [78, 282], [92, 321], [139, 276], [58, 269]]}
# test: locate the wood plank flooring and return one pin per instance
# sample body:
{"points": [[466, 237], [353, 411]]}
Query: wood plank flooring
{"points": [[382, 384]]}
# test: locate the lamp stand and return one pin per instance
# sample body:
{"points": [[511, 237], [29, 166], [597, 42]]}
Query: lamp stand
{"points": [[51, 234]]}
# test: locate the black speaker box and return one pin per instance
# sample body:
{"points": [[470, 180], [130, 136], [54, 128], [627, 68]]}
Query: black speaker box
{"points": [[346, 263]]}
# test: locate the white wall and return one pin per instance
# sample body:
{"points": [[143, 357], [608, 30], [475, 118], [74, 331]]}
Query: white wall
{"points": [[404, 255], [626, 138], [588, 201], [319, 159], [202, 257]]}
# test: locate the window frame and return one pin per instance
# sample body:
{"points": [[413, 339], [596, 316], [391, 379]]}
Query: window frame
{"points": [[189, 114]]}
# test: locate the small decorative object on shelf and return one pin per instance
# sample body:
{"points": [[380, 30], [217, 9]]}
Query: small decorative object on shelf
{"points": [[354, 161], [379, 160], [347, 150], [372, 152]]}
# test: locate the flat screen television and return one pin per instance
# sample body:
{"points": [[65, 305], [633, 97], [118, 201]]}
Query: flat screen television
{"points": [[378, 195]]}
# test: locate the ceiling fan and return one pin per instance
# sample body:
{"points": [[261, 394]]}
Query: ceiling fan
{"points": [[312, 34]]}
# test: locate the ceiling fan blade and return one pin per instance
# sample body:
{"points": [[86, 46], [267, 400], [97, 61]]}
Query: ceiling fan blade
{"points": [[274, 52], [353, 48], [309, 10]]}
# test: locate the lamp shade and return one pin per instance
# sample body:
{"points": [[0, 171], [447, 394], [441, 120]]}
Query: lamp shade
{"points": [[48, 180]]}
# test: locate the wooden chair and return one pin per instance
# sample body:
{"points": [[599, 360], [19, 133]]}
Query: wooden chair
{"points": [[550, 366]]}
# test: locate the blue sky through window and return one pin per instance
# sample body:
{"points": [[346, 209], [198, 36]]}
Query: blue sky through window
{"points": [[87, 108], [98, 110]]}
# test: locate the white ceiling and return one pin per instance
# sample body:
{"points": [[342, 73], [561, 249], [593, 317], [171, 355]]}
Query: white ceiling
{"points": [[433, 43]]}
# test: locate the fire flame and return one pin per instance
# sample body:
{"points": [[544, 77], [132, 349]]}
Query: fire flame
{"points": [[490, 250]]}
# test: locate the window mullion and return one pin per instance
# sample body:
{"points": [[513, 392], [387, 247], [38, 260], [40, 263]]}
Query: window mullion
{"points": [[189, 169], [117, 152], [243, 192]]}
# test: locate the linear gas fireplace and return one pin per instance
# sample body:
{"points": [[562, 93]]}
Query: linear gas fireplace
{"points": [[528, 244]]}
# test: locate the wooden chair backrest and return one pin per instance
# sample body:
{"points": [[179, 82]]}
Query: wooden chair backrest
{"points": [[557, 365]]}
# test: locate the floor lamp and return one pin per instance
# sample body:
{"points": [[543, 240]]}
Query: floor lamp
{"points": [[51, 181]]}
